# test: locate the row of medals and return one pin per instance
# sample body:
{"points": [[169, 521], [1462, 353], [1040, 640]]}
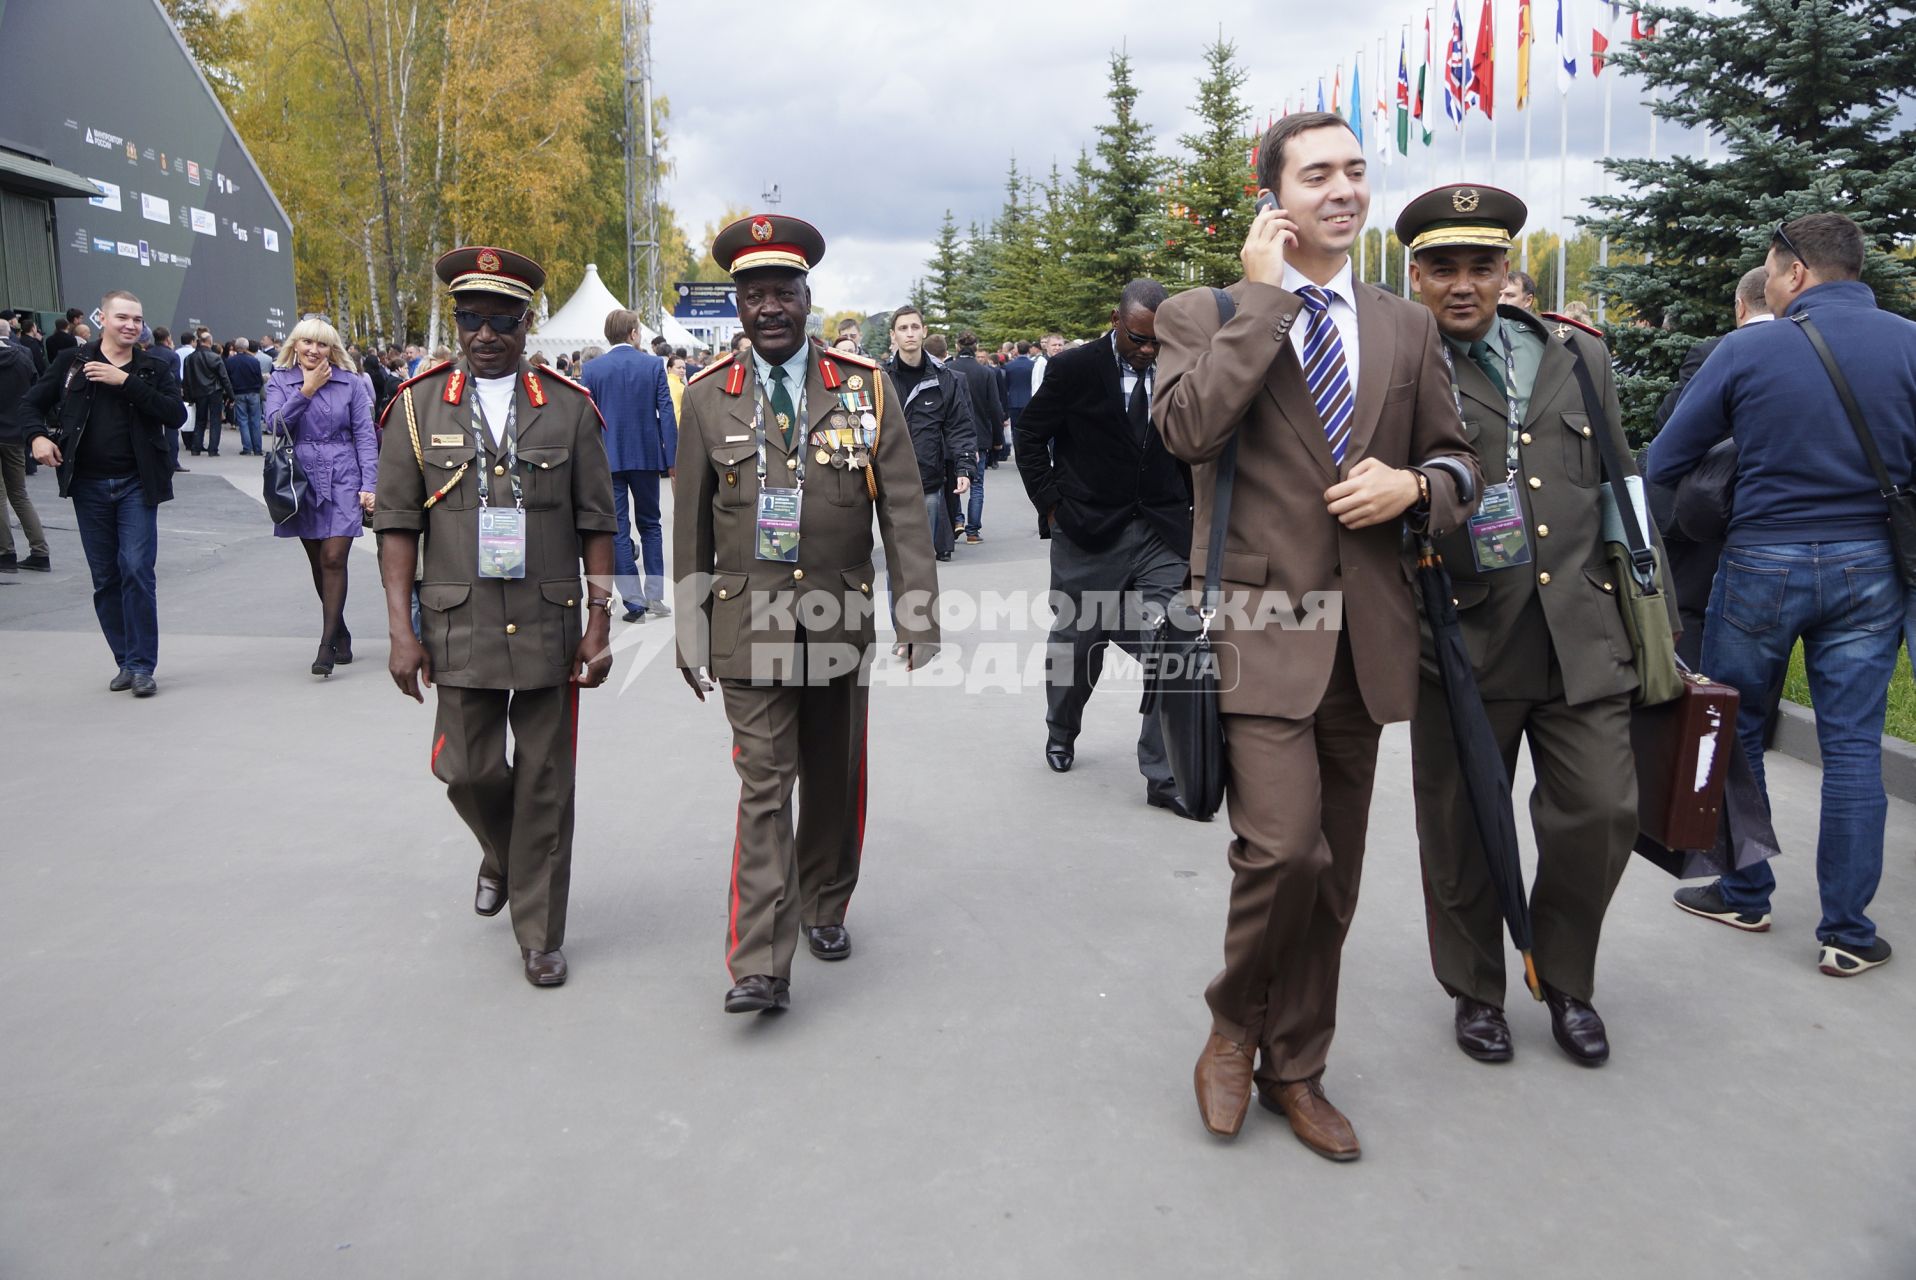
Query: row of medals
{"points": [[841, 444]]}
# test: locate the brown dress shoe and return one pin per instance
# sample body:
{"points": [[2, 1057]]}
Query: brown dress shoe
{"points": [[1223, 1081], [489, 896], [544, 968], [1317, 1124]]}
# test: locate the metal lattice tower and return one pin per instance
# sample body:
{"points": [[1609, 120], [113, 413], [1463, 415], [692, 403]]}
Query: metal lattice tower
{"points": [[643, 270]]}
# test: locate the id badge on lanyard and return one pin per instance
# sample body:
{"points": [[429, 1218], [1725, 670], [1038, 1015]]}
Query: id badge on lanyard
{"points": [[502, 530], [1499, 535]]}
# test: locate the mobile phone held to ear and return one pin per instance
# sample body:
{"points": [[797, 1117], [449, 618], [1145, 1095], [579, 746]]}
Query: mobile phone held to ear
{"points": [[1265, 201]]}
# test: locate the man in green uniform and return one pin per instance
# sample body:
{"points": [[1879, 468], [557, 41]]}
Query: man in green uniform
{"points": [[787, 451], [503, 470], [1538, 602]]}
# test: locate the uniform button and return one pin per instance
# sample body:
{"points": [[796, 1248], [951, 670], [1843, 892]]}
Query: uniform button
{"points": [[1543, 531], [866, 587], [1609, 586], [1535, 483], [791, 464], [723, 593], [499, 470], [1543, 579], [1586, 431], [1525, 437], [570, 603], [512, 628], [798, 575]]}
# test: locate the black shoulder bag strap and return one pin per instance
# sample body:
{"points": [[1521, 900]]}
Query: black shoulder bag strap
{"points": [[1643, 560], [1802, 321], [1220, 495]]}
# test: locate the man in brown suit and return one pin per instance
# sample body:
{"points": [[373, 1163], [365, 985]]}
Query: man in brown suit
{"points": [[1333, 400], [787, 452], [503, 469], [1538, 605]]}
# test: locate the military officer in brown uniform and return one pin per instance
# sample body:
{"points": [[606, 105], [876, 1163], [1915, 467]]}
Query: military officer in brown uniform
{"points": [[503, 470], [786, 454], [1538, 601]]}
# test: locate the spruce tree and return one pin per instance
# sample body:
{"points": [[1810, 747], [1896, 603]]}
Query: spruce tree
{"points": [[1012, 305], [1204, 243], [1807, 96], [1124, 192], [941, 281]]}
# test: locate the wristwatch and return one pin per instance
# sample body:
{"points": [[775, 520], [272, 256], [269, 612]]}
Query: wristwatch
{"points": [[600, 602]]}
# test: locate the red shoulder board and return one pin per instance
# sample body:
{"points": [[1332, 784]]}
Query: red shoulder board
{"points": [[422, 374], [1561, 320], [535, 392], [581, 388], [455, 387]]}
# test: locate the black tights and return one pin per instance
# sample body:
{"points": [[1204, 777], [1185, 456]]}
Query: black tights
{"points": [[328, 559]]}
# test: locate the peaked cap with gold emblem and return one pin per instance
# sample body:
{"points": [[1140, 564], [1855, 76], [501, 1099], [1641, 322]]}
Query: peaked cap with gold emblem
{"points": [[768, 240], [480, 269], [1463, 215]]}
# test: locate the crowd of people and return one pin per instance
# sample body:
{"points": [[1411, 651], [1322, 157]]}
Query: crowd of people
{"points": [[1287, 446]]}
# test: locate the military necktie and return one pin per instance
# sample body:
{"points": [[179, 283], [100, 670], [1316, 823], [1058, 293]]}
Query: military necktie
{"points": [[1325, 372], [1480, 356], [782, 405]]}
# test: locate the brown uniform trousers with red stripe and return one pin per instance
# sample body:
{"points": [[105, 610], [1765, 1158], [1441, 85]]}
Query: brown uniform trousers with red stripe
{"points": [[502, 648], [791, 644]]}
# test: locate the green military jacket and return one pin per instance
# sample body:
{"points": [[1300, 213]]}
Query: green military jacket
{"points": [[1565, 599], [495, 633], [742, 617]]}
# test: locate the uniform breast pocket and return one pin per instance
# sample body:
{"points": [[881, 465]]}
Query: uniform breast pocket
{"points": [[547, 477], [845, 488], [732, 466], [1580, 461], [444, 477]]}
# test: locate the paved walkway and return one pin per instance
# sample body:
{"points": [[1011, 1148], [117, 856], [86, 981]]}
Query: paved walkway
{"points": [[251, 1027]]}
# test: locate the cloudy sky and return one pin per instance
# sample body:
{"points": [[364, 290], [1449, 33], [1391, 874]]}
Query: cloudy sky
{"points": [[874, 118]]}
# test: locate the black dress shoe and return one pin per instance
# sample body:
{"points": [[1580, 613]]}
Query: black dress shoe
{"points": [[829, 941], [758, 994], [489, 896], [1174, 804], [1481, 1030], [544, 968], [1578, 1028], [143, 685], [38, 563], [634, 615], [122, 682], [1059, 756]]}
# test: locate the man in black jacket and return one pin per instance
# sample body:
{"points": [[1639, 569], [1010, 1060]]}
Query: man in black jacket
{"points": [[1117, 509], [17, 373], [942, 434], [210, 389], [114, 405], [988, 412]]}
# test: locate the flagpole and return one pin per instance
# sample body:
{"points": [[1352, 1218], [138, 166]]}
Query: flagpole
{"points": [[1529, 111], [1563, 191], [1493, 91], [1603, 246]]}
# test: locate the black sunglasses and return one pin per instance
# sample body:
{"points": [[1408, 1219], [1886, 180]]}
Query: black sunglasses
{"points": [[504, 326], [1782, 237], [1138, 340]]}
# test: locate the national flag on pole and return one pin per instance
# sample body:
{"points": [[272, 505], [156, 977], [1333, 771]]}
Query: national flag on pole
{"points": [[1357, 101], [1320, 93], [1421, 109], [1337, 91], [1639, 29], [1600, 37], [1566, 55], [1380, 111], [1456, 68], [1526, 36], [1403, 95], [1483, 66]]}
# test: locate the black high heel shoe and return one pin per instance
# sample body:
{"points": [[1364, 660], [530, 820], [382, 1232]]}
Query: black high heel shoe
{"points": [[323, 662], [343, 650]]}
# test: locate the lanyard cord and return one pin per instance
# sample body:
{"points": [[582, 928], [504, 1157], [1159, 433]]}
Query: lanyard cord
{"points": [[798, 437], [480, 427], [1512, 422]]}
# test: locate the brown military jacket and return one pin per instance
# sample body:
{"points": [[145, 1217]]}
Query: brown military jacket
{"points": [[1566, 598], [740, 617], [496, 633]]}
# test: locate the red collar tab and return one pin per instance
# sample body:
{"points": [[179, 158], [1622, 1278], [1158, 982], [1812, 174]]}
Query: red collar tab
{"points": [[455, 386], [735, 379], [535, 392], [829, 372]]}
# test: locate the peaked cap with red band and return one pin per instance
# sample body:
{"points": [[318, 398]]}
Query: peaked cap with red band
{"points": [[479, 269], [768, 240]]}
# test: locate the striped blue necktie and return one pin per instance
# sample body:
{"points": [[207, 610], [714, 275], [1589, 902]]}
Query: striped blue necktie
{"points": [[1325, 372]]}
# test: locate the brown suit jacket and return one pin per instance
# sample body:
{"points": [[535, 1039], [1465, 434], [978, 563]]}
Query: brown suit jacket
{"points": [[1570, 573], [1289, 570], [496, 633], [736, 614]]}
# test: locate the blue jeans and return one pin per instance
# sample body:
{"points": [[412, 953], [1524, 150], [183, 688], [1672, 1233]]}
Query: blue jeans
{"points": [[975, 500], [246, 412], [939, 517], [1846, 603], [121, 536], [642, 510]]}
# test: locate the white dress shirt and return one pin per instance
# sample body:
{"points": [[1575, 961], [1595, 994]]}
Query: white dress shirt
{"points": [[1343, 313]]}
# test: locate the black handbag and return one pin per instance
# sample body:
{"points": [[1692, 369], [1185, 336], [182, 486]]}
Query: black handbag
{"points": [[1181, 662], [1901, 502], [285, 480]]}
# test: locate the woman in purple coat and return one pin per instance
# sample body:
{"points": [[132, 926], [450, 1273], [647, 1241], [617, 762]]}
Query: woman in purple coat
{"points": [[321, 401]]}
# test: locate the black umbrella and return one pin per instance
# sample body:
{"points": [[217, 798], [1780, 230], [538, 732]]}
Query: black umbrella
{"points": [[1478, 755]]}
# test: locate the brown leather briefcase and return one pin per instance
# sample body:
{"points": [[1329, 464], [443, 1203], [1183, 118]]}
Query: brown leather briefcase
{"points": [[1682, 749]]}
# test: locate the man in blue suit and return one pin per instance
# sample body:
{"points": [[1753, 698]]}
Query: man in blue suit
{"points": [[641, 440], [1017, 386]]}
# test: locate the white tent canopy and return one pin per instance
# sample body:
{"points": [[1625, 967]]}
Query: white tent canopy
{"points": [[580, 323]]}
